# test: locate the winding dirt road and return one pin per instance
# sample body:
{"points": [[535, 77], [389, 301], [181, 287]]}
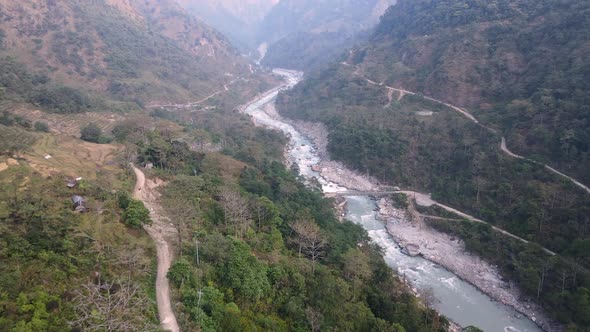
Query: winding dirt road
{"points": [[197, 102], [158, 231], [549, 168], [468, 115], [425, 200]]}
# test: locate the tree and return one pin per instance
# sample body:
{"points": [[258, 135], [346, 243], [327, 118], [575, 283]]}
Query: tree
{"points": [[236, 211], [314, 318], [266, 212], [183, 213], [245, 273], [136, 214], [581, 302], [311, 239], [180, 272], [356, 268], [91, 133], [111, 306]]}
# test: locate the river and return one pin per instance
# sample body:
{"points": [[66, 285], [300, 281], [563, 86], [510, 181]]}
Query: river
{"points": [[453, 297]]}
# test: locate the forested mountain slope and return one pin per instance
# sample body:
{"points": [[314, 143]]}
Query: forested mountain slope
{"points": [[140, 51], [254, 248], [305, 33], [519, 66], [522, 65]]}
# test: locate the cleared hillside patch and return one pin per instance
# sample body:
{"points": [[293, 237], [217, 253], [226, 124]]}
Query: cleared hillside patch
{"points": [[72, 157]]}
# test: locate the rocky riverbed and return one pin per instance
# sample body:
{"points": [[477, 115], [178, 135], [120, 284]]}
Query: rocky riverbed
{"points": [[437, 247], [330, 170], [450, 253]]}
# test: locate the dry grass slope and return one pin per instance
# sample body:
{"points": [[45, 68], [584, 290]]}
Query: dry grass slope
{"points": [[72, 157]]}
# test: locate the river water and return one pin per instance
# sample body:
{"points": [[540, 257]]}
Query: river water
{"points": [[453, 297]]}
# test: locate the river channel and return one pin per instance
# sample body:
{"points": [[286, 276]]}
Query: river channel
{"points": [[453, 297]]}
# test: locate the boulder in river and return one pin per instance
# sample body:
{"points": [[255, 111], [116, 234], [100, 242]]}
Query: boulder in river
{"points": [[411, 249]]}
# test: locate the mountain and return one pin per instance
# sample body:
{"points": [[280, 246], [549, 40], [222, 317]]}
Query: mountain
{"points": [[236, 19], [520, 65], [396, 108], [304, 33], [131, 50]]}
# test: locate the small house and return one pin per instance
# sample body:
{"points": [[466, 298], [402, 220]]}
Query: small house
{"points": [[79, 203], [149, 165], [71, 184]]}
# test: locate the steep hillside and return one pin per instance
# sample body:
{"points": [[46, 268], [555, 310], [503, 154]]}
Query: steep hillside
{"points": [[305, 33], [519, 67], [522, 65], [237, 19], [140, 51]]}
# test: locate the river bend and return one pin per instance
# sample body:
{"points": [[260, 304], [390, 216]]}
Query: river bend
{"points": [[453, 297]]}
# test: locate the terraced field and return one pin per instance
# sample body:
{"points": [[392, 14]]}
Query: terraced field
{"points": [[64, 124], [72, 157]]}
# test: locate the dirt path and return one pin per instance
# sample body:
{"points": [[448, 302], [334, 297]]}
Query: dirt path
{"points": [[158, 231], [425, 200], [197, 102], [549, 168], [508, 152], [191, 104], [469, 116]]}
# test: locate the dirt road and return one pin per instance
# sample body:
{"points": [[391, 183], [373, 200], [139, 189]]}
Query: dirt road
{"points": [[549, 168], [158, 231], [469, 116], [425, 200]]}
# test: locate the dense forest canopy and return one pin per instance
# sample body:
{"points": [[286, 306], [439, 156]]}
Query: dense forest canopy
{"points": [[521, 65]]}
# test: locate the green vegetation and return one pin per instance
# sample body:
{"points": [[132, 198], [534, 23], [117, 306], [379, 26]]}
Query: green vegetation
{"points": [[250, 272], [8, 119], [41, 126], [14, 139], [521, 64], [461, 51], [85, 54], [472, 329], [62, 99], [19, 84], [456, 160], [59, 266], [91, 133], [136, 214], [257, 250]]}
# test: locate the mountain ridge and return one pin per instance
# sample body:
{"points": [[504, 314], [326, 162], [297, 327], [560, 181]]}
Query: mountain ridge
{"points": [[140, 51], [306, 34]]}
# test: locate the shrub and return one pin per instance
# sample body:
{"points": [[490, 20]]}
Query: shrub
{"points": [[91, 133], [42, 126], [180, 272], [136, 214]]}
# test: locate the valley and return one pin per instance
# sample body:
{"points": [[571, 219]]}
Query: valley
{"points": [[302, 151], [282, 165]]}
